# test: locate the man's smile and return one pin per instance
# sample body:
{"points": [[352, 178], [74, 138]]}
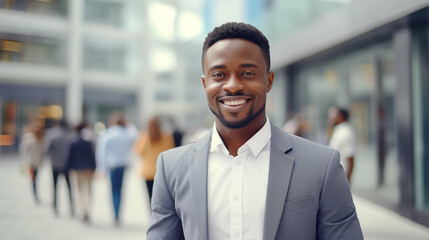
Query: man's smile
{"points": [[234, 101]]}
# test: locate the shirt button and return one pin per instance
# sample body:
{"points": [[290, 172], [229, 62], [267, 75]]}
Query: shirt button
{"points": [[236, 197]]}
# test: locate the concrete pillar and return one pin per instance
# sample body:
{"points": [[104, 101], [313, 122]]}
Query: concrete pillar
{"points": [[402, 39], [145, 103], [180, 81], [74, 89]]}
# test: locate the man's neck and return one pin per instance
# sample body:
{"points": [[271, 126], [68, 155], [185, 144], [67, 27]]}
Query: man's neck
{"points": [[234, 138]]}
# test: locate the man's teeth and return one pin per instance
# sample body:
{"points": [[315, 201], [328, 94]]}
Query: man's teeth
{"points": [[234, 102]]}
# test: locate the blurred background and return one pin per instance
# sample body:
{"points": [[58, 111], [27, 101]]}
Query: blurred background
{"points": [[83, 59]]}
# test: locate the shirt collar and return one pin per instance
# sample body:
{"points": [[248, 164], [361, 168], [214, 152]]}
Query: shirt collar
{"points": [[256, 143], [217, 142]]}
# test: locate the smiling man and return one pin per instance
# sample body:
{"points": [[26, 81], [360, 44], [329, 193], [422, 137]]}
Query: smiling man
{"points": [[247, 178]]}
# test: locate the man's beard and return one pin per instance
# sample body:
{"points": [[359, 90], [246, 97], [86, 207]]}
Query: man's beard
{"points": [[239, 124]]}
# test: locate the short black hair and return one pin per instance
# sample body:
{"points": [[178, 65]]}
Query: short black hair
{"points": [[238, 30], [82, 125]]}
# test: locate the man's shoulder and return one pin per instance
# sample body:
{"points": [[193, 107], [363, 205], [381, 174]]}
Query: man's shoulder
{"points": [[180, 152], [52, 133], [344, 127], [305, 150], [176, 162], [308, 144], [82, 142], [297, 141]]}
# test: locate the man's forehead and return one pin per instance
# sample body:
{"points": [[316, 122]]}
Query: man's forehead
{"points": [[232, 48], [231, 41]]}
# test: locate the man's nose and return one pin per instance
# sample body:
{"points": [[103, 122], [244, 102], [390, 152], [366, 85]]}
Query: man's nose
{"points": [[233, 84]]}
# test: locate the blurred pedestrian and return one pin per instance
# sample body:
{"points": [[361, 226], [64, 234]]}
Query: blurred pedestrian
{"points": [[177, 133], [81, 160], [382, 146], [296, 125], [342, 138], [113, 154], [31, 151], [153, 142], [56, 146]]}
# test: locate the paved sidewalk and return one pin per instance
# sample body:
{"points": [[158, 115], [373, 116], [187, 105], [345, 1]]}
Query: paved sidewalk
{"points": [[379, 223], [22, 219]]}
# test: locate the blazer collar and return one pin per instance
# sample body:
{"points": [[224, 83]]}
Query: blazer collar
{"points": [[198, 182], [280, 172], [280, 139]]}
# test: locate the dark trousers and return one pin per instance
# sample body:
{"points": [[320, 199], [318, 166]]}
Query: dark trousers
{"points": [[116, 177], [149, 184], [55, 174], [33, 174]]}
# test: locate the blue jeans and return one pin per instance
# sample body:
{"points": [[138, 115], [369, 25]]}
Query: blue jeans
{"points": [[116, 176]]}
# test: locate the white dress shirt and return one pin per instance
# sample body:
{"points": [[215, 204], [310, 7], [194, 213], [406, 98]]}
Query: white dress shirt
{"points": [[343, 140], [237, 187]]}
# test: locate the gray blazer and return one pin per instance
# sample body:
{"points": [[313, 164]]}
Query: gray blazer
{"points": [[308, 196]]}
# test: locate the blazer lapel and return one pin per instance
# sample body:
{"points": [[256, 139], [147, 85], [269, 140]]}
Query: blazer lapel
{"points": [[198, 178], [280, 172]]}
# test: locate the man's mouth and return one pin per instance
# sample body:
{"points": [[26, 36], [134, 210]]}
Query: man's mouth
{"points": [[234, 102]]}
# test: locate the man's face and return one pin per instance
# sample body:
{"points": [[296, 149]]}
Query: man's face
{"points": [[236, 81]]}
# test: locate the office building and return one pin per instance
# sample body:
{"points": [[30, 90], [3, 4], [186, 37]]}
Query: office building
{"points": [[372, 58]]}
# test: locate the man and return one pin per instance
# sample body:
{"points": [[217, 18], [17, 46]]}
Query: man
{"points": [[56, 145], [248, 179], [81, 160], [342, 138], [113, 154]]}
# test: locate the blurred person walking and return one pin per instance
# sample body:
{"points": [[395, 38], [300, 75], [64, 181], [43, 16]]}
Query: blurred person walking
{"points": [[296, 125], [56, 146], [31, 152], [150, 145], [81, 160], [342, 138], [113, 154], [177, 133]]}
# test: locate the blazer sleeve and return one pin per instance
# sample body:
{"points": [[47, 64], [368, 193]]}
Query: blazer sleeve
{"points": [[165, 224], [337, 218]]}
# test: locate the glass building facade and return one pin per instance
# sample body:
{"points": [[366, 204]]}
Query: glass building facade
{"points": [[66, 54], [362, 81], [373, 62], [420, 87], [91, 57]]}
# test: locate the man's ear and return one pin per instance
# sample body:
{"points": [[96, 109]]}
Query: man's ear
{"points": [[203, 79], [270, 80]]}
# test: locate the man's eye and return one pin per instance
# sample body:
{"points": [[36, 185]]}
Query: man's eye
{"points": [[248, 74], [218, 75]]}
